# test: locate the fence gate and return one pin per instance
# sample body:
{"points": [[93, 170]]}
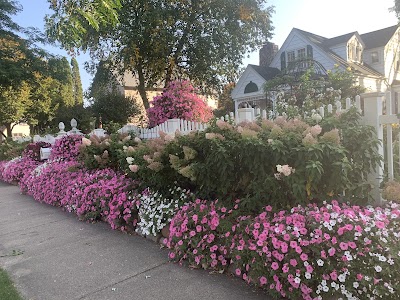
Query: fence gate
{"points": [[378, 111]]}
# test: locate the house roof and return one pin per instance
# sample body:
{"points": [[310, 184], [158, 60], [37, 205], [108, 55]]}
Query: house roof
{"points": [[266, 72], [317, 39], [325, 45], [378, 38], [338, 39], [359, 68]]}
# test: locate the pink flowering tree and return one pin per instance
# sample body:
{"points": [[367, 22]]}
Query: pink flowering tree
{"points": [[178, 100]]}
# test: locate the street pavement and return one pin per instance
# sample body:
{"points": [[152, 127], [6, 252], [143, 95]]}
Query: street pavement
{"points": [[51, 255]]}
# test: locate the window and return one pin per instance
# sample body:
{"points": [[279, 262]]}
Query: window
{"points": [[301, 53], [374, 57], [354, 51], [251, 87], [291, 57], [299, 56]]}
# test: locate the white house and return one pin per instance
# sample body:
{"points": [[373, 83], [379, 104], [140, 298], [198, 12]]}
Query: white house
{"points": [[374, 57]]}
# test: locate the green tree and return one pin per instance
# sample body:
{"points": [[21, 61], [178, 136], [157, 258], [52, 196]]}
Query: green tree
{"points": [[77, 84], [225, 101], [45, 100], [104, 81], [160, 41], [396, 8], [14, 102], [60, 70], [114, 108], [9, 8]]}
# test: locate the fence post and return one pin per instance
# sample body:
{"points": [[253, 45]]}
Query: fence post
{"points": [[389, 136], [372, 111]]}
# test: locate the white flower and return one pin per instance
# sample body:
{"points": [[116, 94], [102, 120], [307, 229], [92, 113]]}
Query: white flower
{"points": [[297, 280], [320, 262], [356, 284], [378, 268], [129, 160], [342, 278], [307, 275]]}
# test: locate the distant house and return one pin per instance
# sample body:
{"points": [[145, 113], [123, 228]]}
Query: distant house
{"points": [[374, 57], [128, 86], [19, 131]]}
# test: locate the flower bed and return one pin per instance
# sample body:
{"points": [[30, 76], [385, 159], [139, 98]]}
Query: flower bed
{"points": [[306, 252]]}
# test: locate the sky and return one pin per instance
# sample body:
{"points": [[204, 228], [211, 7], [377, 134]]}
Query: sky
{"points": [[328, 18]]}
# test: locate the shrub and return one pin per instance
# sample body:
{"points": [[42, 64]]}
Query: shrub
{"points": [[10, 149], [156, 210], [105, 152], [14, 170], [66, 148], [391, 191], [198, 234], [178, 100], [309, 252]]}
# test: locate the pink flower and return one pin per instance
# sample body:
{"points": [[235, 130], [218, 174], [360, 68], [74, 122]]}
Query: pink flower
{"points": [[263, 280], [343, 246], [303, 257], [134, 168], [379, 224], [275, 266]]}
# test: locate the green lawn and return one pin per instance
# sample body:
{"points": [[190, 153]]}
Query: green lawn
{"points": [[7, 289]]}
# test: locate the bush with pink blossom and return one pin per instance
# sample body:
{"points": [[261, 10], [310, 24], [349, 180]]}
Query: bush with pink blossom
{"points": [[66, 147], [178, 100], [14, 170], [310, 252], [198, 234]]}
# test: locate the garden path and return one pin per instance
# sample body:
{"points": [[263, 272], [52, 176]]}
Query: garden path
{"points": [[50, 255]]}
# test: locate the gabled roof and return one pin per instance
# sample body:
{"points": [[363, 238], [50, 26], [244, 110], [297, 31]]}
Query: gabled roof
{"points": [[325, 43], [339, 39], [359, 68], [266, 72], [317, 39], [378, 38]]}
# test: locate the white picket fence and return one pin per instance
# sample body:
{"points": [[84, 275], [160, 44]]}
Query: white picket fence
{"points": [[168, 127]]}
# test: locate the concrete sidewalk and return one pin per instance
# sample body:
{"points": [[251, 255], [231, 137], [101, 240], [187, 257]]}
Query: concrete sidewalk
{"points": [[50, 255]]}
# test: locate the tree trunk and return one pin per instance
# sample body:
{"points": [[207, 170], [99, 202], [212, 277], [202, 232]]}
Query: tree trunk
{"points": [[142, 86], [9, 130]]}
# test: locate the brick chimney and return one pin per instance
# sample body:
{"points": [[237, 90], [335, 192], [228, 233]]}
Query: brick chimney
{"points": [[267, 53]]}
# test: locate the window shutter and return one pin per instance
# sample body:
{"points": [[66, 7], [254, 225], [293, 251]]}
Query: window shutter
{"points": [[309, 51], [283, 60]]}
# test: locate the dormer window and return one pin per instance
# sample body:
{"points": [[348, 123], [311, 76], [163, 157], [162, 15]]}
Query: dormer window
{"points": [[354, 51]]}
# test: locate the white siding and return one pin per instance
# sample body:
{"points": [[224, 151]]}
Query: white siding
{"points": [[340, 50], [248, 75], [296, 41], [378, 66], [392, 55]]}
